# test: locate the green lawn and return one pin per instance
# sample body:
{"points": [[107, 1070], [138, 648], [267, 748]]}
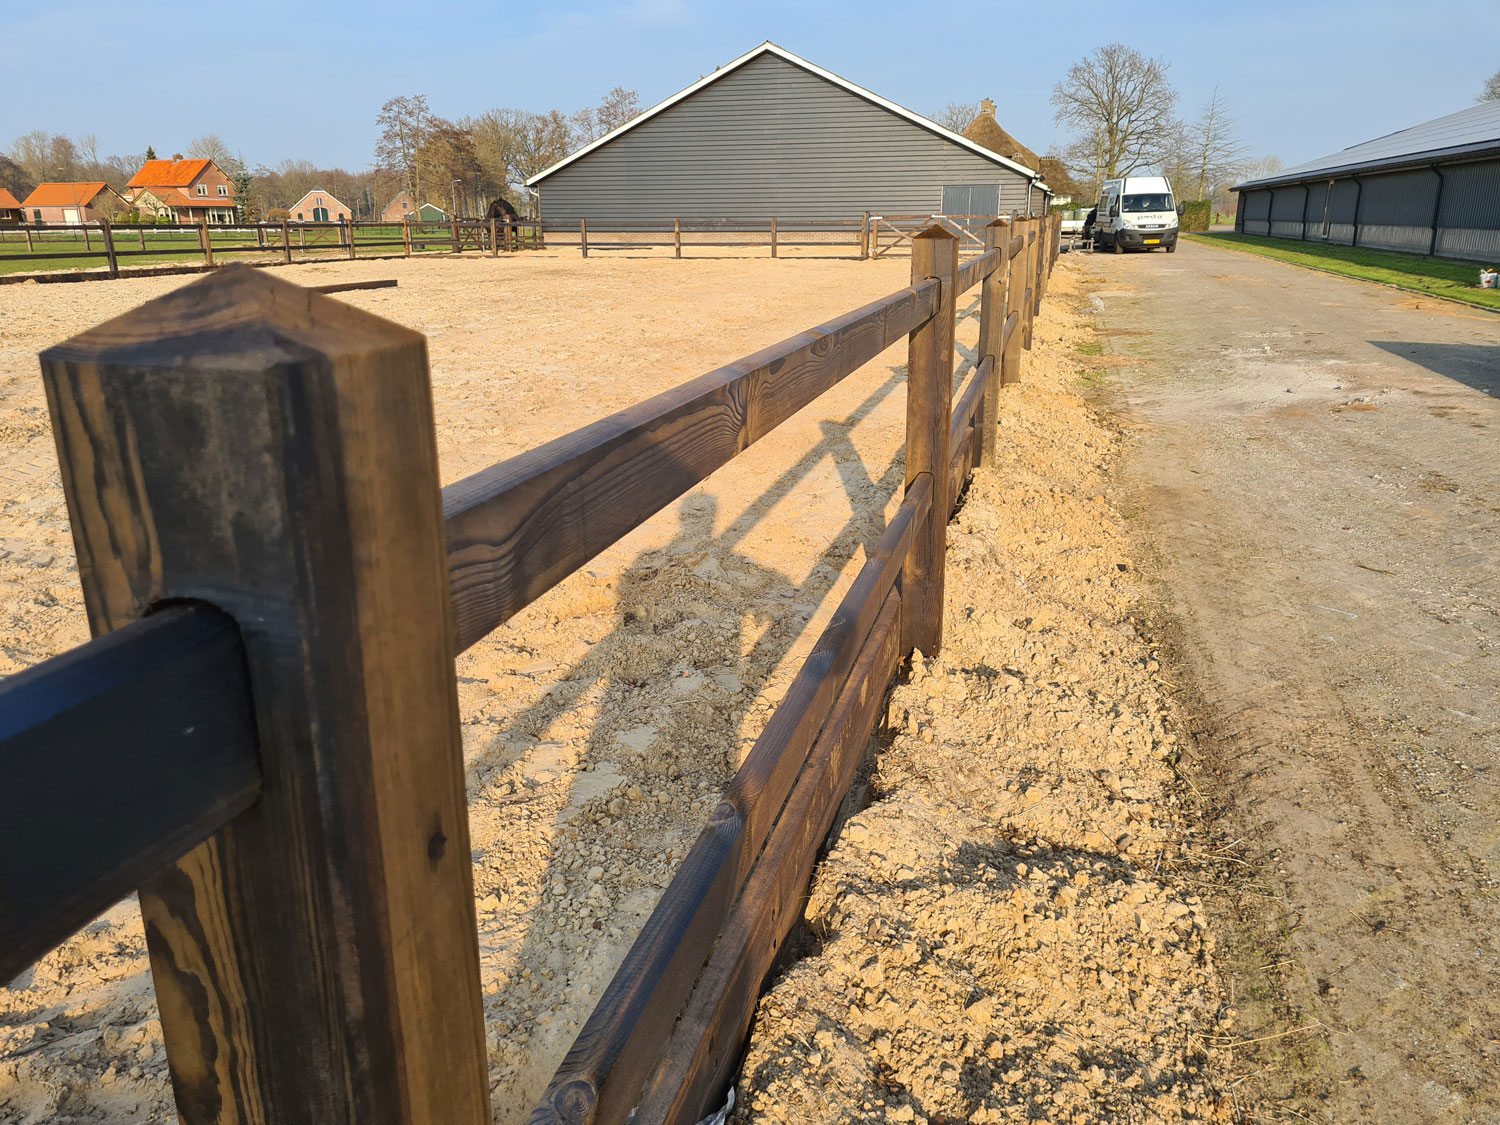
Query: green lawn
{"points": [[182, 248], [1440, 277]]}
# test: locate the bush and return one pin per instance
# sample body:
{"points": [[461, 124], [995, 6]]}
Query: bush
{"points": [[1196, 214], [276, 214]]}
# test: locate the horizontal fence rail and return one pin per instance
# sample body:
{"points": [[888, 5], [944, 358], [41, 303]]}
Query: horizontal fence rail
{"points": [[274, 757]]}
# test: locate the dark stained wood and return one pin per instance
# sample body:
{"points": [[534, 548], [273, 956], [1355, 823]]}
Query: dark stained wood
{"points": [[929, 408], [205, 242], [583, 236], [976, 269], [699, 1060], [109, 248], [773, 237], [962, 466], [142, 743], [602, 1076], [966, 405], [992, 298], [286, 242], [1028, 304], [343, 286], [676, 238], [518, 528], [243, 442]]}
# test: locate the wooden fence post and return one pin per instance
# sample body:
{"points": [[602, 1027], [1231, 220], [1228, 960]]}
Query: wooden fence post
{"points": [[494, 240], [992, 310], [317, 959], [1028, 305], [405, 239], [583, 236], [453, 234], [349, 230], [206, 242], [141, 231], [929, 416], [864, 237], [1015, 293], [88, 243], [109, 248], [29, 248], [260, 236], [286, 242], [773, 236], [676, 238]]}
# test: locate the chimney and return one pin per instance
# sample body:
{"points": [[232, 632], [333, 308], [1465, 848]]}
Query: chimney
{"points": [[178, 155], [987, 106]]}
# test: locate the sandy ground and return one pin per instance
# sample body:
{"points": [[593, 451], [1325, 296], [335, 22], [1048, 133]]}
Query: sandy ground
{"points": [[1313, 464], [1003, 935], [601, 723]]}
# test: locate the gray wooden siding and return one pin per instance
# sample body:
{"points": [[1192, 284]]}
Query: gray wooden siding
{"points": [[770, 140]]}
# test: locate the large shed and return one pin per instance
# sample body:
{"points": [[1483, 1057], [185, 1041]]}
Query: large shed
{"points": [[1430, 189], [771, 135]]}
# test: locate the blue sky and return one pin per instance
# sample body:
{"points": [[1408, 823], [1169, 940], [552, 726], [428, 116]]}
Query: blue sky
{"points": [[279, 79]]}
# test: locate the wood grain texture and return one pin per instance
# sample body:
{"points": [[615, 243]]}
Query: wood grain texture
{"points": [[1015, 296], [967, 405], [602, 1076], [992, 298], [243, 442], [143, 742], [929, 410], [518, 528], [344, 286], [699, 1061]]}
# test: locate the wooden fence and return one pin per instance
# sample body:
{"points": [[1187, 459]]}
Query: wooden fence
{"points": [[263, 739], [117, 244]]}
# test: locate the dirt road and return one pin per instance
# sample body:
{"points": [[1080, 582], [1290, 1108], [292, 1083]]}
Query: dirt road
{"points": [[1314, 464]]}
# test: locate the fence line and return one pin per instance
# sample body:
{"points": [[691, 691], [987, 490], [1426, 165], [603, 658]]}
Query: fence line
{"points": [[278, 586]]}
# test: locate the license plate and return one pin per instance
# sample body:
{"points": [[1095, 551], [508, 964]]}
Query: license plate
{"points": [[1153, 242]]}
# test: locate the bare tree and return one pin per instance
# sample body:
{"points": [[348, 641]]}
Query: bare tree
{"points": [[957, 116], [515, 144], [619, 107], [1491, 90], [1261, 167], [213, 147], [1122, 102], [405, 123]]}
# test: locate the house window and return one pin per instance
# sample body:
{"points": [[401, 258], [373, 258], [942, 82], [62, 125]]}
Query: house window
{"points": [[224, 189], [202, 189], [320, 201], [299, 216], [36, 215]]}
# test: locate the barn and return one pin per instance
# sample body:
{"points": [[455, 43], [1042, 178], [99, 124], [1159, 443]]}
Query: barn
{"points": [[771, 135], [1430, 189]]}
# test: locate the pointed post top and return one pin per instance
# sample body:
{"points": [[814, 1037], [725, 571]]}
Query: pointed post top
{"points": [[936, 231], [236, 318]]}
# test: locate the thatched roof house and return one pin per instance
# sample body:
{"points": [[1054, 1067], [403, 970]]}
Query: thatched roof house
{"points": [[1059, 179], [986, 131]]}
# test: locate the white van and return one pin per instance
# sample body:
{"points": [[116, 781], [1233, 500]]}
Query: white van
{"points": [[1136, 213]]}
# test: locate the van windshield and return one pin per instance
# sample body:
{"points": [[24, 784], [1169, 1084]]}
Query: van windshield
{"points": [[1156, 201]]}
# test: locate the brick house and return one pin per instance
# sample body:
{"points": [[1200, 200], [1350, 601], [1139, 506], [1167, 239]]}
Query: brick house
{"points": [[319, 206], [72, 203], [194, 191], [399, 210], [10, 208]]}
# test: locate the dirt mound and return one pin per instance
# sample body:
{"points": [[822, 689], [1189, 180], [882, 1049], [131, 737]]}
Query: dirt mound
{"points": [[994, 937]]}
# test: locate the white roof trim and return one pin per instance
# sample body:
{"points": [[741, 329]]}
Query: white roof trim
{"points": [[796, 60]]}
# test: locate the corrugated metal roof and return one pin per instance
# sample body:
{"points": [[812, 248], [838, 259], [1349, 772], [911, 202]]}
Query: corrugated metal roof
{"points": [[1469, 131], [796, 60], [168, 173], [64, 195]]}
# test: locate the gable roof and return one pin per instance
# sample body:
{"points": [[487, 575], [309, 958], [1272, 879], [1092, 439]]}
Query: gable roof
{"points": [[1059, 179], [1471, 131], [8, 202], [322, 191], [168, 173], [65, 195], [769, 48]]}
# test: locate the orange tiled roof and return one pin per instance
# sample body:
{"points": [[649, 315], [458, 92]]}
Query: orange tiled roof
{"points": [[8, 202], [168, 173], [64, 195]]}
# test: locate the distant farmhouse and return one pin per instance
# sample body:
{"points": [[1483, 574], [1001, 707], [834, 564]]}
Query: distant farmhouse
{"points": [[72, 203], [10, 208], [184, 191], [400, 209], [987, 131], [772, 135], [1430, 189], [319, 206]]}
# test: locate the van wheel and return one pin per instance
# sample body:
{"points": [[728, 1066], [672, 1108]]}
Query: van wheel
{"points": [[1171, 248], [1119, 249]]}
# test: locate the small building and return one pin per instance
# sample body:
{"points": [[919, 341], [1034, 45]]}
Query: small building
{"points": [[1431, 189], [399, 210], [10, 208], [772, 135], [431, 213], [319, 206], [204, 193], [1064, 187], [72, 203]]}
